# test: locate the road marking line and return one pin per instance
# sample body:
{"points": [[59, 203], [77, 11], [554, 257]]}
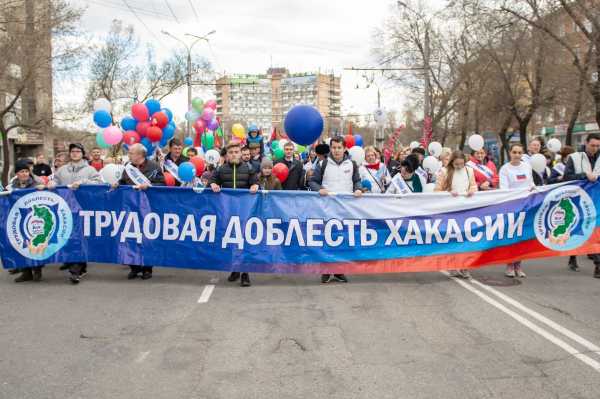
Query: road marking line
{"points": [[206, 293], [565, 331], [142, 357], [544, 333]]}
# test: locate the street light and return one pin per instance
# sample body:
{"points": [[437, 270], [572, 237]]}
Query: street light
{"points": [[189, 63]]}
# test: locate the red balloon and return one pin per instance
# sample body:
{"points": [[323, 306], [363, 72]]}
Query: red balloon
{"points": [[142, 128], [281, 172], [131, 137], [199, 126], [349, 141], [199, 164], [140, 112], [154, 134], [160, 119], [169, 179]]}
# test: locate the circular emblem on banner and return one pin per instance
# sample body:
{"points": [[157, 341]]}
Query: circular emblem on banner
{"points": [[39, 224], [566, 219]]}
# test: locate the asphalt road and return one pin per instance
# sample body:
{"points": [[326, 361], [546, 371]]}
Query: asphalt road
{"points": [[380, 336]]}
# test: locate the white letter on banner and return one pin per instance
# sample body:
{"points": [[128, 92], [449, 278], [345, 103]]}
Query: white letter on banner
{"points": [[494, 227], [515, 226], [87, 216], [328, 233], [433, 230], [208, 227], [260, 231], [102, 220], [311, 232], [469, 229], [294, 227], [170, 226], [368, 237], [189, 229], [413, 232], [394, 227], [117, 222], [275, 236], [132, 228], [234, 227], [453, 231], [147, 226], [351, 224]]}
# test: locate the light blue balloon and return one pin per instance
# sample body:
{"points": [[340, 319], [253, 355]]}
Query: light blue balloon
{"points": [[188, 141], [153, 106], [186, 171], [128, 123], [102, 118]]}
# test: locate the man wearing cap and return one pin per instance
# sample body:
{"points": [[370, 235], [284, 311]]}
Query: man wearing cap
{"points": [[75, 173]]}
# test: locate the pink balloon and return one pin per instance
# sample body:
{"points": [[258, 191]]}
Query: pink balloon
{"points": [[112, 135], [199, 126], [140, 112], [131, 137], [208, 114], [212, 104]]}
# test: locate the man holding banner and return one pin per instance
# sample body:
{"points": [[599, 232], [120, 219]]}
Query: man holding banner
{"points": [[140, 173], [586, 165]]}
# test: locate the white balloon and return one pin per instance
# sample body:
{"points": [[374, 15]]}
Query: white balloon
{"points": [[200, 151], [357, 154], [212, 157], [102, 104], [111, 173], [476, 142], [554, 145], [431, 164], [414, 144], [538, 163], [435, 149]]}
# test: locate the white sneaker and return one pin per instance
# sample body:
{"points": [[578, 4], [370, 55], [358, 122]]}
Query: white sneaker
{"points": [[466, 274], [454, 273], [510, 272], [520, 273]]}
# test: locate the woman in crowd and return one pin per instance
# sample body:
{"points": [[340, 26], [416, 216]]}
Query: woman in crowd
{"points": [[406, 181], [517, 174], [458, 179], [266, 180], [486, 175], [374, 171]]}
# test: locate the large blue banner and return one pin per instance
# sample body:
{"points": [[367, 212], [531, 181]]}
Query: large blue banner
{"points": [[291, 232]]}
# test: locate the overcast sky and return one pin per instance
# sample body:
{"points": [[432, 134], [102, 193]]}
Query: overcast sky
{"points": [[252, 35]]}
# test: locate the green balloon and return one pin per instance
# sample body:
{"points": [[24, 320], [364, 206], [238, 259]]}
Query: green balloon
{"points": [[278, 153], [300, 148], [198, 104], [274, 144], [100, 140], [208, 141]]}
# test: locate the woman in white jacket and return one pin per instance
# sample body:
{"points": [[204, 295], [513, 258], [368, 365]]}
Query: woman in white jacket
{"points": [[374, 171]]}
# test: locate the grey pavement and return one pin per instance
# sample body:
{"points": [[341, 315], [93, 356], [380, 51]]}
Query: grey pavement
{"points": [[380, 336]]}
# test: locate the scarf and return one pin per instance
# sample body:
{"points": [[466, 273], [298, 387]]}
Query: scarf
{"points": [[374, 166]]}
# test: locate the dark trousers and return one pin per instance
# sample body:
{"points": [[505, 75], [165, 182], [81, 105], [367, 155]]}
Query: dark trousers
{"points": [[140, 269], [596, 259], [76, 267]]}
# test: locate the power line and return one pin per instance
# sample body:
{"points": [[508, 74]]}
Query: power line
{"points": [[143, 23], [171, 10], [194, 9]]}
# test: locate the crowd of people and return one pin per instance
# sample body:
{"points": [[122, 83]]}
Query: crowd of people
{"points": [[325, 168]]}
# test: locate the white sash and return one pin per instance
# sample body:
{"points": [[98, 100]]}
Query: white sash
{"points": [[172, 168], [560, 168], [400, 184], [422, 173], [489, 175], [136, 175]]}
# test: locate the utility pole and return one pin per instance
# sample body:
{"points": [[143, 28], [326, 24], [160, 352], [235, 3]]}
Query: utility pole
{"points": [[189, 66], [426, 67]]}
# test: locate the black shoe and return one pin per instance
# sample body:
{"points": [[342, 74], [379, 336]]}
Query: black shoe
{"points": [[37, 274], [74, 278], [340, 277], [14, 271], [26, 275], [83, 271], [132, 275], [325, 278], [590, 257], [597, 272], [573, 266], [245, 281], [146, 275], [64, 267], [233, 277]]}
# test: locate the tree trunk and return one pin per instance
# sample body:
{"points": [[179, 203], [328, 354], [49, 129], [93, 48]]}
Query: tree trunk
{"points": [[464, 124], [503, 140], [5, 156]]}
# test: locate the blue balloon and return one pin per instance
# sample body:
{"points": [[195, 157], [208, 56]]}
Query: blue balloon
{"points": [[168, 112], [168, 132], [128, 123], [163, 143], [188, 141], [153, 106], [102, 118], [145, 141], [358, 140], [367, 184], [303, 124], [186, 171]]}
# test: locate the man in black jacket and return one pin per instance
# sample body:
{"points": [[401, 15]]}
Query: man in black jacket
{"points": [[296, 176], [235, 174]]}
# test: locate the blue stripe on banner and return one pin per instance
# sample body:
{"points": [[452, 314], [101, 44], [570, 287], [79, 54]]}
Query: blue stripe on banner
{"points": [[177, 227]]}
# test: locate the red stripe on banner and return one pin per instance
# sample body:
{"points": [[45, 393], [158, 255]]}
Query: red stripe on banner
{"points": [[469, 260]]}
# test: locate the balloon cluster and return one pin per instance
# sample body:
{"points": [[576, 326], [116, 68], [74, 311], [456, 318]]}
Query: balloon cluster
{"points": [[203, 116]]}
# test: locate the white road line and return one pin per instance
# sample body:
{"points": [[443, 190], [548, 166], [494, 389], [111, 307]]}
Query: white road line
{"points": [[544, 333], [565, 331], [206, 293], [142, 357]]}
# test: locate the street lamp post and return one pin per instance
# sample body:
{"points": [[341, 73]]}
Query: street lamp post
{"points": [[189, 65]]}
